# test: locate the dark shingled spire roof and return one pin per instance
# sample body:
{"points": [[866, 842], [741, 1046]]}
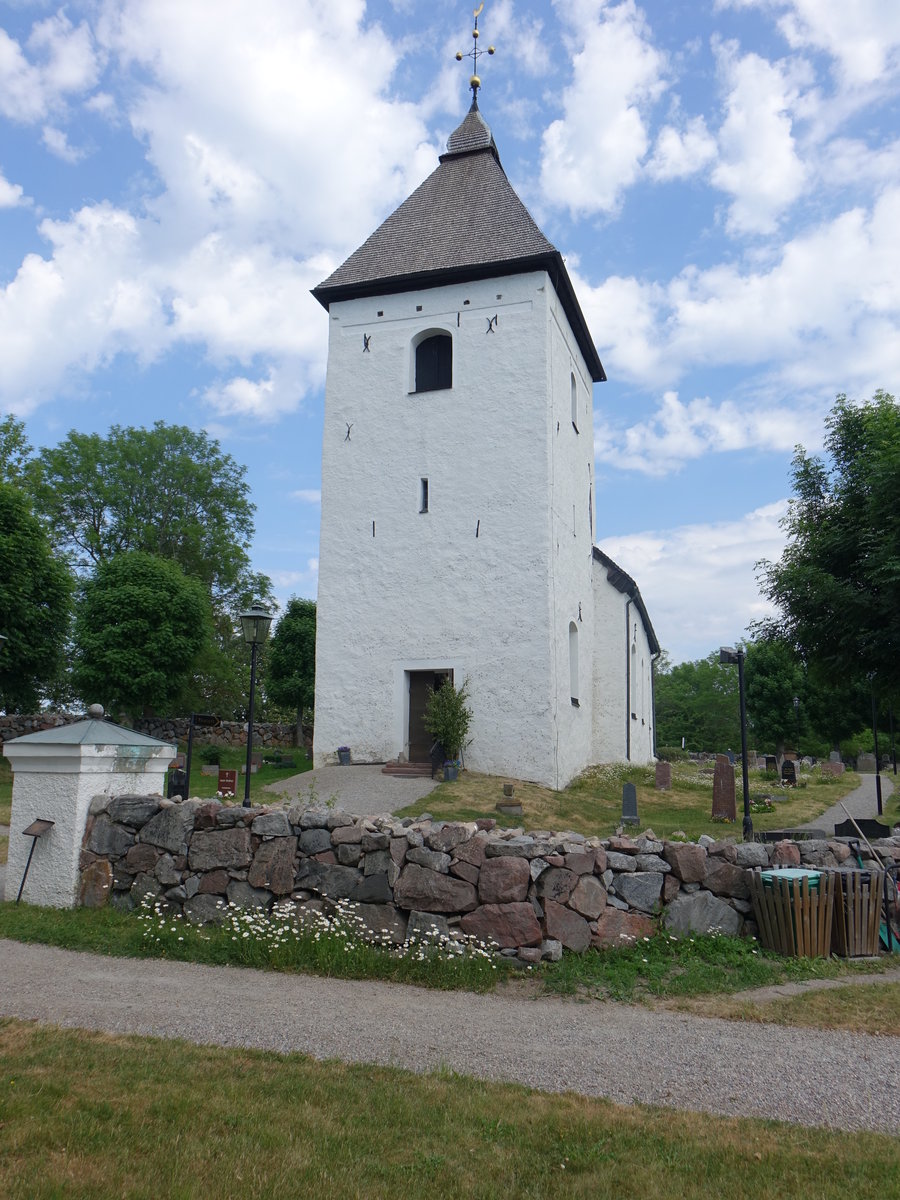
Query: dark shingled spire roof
{"points": [[464, 222]]}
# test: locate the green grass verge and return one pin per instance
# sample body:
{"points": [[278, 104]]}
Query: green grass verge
{"points": [[661, 967], [592, 803], [4, 849], [87, 1116], [862, 1008]]}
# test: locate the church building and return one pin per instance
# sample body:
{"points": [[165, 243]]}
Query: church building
{"points": [[458, 523]]}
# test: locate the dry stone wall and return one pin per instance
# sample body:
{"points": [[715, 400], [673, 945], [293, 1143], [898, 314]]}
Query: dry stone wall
{"points": [[532, 894], [167, 729]]}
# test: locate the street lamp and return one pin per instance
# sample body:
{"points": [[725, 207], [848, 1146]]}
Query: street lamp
{"points": [[728, 657], [255, 626], [797, 718]]}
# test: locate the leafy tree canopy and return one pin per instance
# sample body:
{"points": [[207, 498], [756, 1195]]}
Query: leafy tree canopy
{"points": [[168, 491], [837, 584], [15, 450], [773, 676], [291, 665], [35, 604], [698, 701], [140, 627]]}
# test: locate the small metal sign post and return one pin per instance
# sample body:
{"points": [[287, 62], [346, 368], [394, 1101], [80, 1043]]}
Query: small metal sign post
{"points": [[35, 830]]}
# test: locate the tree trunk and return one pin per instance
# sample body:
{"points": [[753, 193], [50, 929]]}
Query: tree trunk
{"points": [[779, 757]]}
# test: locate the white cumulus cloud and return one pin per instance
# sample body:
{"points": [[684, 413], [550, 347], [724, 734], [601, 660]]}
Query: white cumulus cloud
{"points": [[594, 151]]}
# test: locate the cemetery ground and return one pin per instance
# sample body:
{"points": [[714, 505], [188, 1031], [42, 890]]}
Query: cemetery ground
{"points": [[90, 1115], [592, 803]]}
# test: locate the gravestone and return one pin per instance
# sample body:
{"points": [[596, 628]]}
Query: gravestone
{"points": [[629, 804], [789, 772], [723, 805], [834, 756], [771, 762], [865, 764], [228, 782], [663, 776], [833, 768], [752, 760]]}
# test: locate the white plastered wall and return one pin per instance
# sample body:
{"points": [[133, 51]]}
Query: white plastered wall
{"points": [[623, 712], [56, 782], [465, 586]]}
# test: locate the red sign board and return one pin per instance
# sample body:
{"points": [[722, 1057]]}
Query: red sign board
{"points": [[228, 782]]}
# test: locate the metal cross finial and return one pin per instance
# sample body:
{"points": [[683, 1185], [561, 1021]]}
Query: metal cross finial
{"points": [[474, 54]]}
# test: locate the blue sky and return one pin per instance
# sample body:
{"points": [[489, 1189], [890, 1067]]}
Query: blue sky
{"points": [[723, 178]]}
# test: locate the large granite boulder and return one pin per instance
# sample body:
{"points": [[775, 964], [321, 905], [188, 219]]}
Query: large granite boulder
{"points": [[215, 848], [701, 912], [640, 890], [504, 880], [505, 924], [429, 891], [273, 866], [565, 926]]}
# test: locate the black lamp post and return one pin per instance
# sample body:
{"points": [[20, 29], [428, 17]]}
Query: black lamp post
{"points": [[255, 626], [797, 716], [729, 656]]}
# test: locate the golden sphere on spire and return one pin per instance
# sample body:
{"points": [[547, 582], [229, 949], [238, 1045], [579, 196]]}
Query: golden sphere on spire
{"points": [[474, 82], [459, 56], [490, 49], [475, 33]]}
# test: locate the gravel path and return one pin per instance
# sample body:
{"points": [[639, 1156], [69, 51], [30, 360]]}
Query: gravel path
{"points": [[862, 802], [630, 1055], [362, 790]]}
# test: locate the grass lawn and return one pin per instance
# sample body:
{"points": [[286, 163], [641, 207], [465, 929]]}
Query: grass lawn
{"points": [[862, 1008], [4, 849], [88, 1116], [206, 786], [592, 804]]}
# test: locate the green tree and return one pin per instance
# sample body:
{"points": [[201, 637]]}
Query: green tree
{"points": [[291, 666], [140, 627], [698, 701], [168, 491], [35, 605], [837, 584], [15, 450], [773, 676]]}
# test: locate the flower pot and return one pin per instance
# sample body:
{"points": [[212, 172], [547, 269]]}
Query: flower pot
{"points": [[344, 758], [451, 772]]}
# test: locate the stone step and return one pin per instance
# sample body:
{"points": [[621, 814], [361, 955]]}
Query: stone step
{"points": [[408, 770]]}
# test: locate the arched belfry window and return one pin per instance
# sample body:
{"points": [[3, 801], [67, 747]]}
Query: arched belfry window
{"points": [[433, 361]]}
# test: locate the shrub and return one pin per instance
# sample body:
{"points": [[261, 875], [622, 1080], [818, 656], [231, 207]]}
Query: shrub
{"points": [[672, 754], [210, 755], [448, 716]]}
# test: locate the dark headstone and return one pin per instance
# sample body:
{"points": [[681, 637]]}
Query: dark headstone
{"points": [[629, 804], [663, 776], [789, 772], [771, 763], [723, 805]]}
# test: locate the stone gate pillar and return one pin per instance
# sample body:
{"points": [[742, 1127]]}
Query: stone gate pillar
{"points": [[56, 774]]}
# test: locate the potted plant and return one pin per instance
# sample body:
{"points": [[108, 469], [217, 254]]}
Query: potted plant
{"points": [[447, 719]]}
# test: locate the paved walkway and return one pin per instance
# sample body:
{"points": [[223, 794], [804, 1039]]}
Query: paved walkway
{"points": [[863, 802], [361, 790], [628, 1054]]}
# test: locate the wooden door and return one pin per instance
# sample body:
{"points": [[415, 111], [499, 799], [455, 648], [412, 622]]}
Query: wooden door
{"points": [[421, 685]]}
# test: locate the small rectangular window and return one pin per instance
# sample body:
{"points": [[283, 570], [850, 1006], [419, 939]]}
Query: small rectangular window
{"points": [[423, 495]]}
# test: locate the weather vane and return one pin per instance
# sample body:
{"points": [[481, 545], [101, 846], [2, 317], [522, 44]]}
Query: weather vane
{"points": [[474, 54]]}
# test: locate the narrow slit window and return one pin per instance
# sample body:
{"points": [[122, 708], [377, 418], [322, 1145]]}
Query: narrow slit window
{"points": [[423, 495], [573, 664], [574, 390]]}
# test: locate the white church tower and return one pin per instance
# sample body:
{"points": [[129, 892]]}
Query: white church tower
{"points": [[457, 494]]}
